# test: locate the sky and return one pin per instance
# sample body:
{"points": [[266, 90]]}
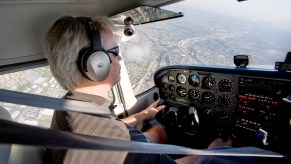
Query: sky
{"points": [[273, 11]]}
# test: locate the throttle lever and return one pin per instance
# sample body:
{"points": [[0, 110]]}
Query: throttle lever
{"points": [[161, 102], [192, 110]]}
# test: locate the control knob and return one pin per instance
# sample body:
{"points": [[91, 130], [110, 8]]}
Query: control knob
{"points": [[172, 116]]}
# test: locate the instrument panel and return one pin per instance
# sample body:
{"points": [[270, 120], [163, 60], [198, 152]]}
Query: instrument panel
{"points": [[246, 105]]}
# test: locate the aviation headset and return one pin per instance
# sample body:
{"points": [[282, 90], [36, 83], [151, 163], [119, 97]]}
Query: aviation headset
{"points": [[93, 62]]}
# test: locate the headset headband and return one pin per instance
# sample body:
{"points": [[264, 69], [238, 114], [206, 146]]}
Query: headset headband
{"points": [[93, 34]]}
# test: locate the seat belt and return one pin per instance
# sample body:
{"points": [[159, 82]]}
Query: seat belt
{"points": [[40, 101], [17, 133]]}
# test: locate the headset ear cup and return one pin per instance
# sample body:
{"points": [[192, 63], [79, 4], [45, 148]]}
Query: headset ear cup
{"points": [[94, 63], [98, 65], [82, 61]]}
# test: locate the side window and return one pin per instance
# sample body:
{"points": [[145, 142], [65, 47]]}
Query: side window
{"points": [[36, 81], [140, 55], [153, 46]]}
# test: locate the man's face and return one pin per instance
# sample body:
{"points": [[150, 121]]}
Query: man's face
{"points": [[109, 42]]}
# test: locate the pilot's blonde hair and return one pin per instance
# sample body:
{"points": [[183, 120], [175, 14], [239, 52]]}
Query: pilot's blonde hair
{"points": [[63, 42]]}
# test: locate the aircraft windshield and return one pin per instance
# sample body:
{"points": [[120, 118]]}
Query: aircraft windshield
{"points": [[210, 33]]}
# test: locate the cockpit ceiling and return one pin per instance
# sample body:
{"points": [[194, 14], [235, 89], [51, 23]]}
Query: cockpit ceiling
{"points": [[102, 7], [24, 23]]}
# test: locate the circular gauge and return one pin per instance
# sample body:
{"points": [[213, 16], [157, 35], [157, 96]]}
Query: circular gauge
{"points": [[224, 101], [171, 87], [194, 94], [165, 94], [164, 86], [181, 78], [208, 98], [208, 82], [172, 97], [181, 91], [194, 80], [225, 85]]}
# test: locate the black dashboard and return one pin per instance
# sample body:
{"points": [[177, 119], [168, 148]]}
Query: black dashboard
{"points": [[203, 103]]}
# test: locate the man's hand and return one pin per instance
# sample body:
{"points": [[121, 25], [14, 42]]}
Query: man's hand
{"points": [[152, 110], [220, 142], [148, 113]]}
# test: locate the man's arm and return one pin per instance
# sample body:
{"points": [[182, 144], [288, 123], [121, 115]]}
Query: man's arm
{"points": [[151, 111]]}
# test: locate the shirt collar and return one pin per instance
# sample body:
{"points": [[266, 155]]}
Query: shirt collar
{"points": [[101, 101]]}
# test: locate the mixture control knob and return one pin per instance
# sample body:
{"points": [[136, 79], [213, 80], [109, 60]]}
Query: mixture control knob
{"points": [[262, 136]]}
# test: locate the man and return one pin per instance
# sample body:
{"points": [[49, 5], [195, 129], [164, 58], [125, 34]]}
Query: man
{"points": [[63, 43], [68, 42]]}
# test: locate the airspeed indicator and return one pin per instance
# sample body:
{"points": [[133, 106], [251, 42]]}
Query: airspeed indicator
{"points": [[181, 91]]}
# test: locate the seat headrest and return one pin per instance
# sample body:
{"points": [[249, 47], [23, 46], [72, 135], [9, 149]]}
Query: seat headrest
{"points": [[4, 114], [4, 148]]}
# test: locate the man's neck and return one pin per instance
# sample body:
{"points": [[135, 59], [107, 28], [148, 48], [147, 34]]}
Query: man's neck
{"points": [[98, 89]]}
